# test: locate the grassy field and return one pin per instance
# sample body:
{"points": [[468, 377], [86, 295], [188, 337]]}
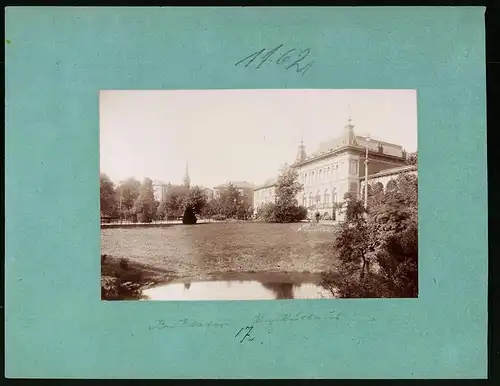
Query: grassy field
{"points": [[200, 251]]}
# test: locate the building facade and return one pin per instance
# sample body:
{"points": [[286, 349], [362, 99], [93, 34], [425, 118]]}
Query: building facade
{"points": [[264, 193], [160, 190], [337, 168]]}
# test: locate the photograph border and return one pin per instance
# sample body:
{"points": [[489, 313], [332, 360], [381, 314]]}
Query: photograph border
{"points": [[56, 324]]}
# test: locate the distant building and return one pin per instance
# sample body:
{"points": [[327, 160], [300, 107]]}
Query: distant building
{"points": [[161, 190], [264, 193], [244, 187]]}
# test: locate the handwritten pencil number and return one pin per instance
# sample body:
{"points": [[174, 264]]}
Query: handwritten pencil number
{"points": [[289, 59], [246, 334]]}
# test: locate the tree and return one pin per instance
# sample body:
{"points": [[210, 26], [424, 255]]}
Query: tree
{"points": [[352, 241], [126, 193], [286, 208], [230, 201], [393, 224], [145, 205], [161, 212], [108, 197], [174, 202], [196, 199], [385, 237], [412, 159]]}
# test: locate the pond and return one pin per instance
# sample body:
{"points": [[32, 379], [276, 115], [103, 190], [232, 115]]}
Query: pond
{"points": [[243, 287]]}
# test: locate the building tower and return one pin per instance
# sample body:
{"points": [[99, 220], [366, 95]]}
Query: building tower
{"points": [[349, 136], [301, 152], [187, 180]]}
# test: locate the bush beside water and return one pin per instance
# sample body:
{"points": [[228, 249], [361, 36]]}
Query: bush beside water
{"points": [[119, 281], [378, 247]]}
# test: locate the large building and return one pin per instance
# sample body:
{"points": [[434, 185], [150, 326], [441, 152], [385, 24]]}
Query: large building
{"points": [[337, 167]]}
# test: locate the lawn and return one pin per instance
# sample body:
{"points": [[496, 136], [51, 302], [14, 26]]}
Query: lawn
{"points": [[200, 251]]}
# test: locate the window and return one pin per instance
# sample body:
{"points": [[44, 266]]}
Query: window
{"points": [[318, 197], [354, 167], [327, 197], [328, 174], [312, 177], [304, 200], [310, 199], [334, 196], [320, 174]]}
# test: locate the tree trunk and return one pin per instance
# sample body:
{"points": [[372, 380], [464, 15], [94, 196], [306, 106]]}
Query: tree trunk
{"points": [[362, 274]]}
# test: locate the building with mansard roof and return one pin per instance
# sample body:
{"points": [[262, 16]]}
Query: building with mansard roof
{"points": [[336, 168]]}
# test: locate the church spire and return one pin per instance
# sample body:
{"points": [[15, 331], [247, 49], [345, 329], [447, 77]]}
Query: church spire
{"points": [[187, 180], [301, 152]]}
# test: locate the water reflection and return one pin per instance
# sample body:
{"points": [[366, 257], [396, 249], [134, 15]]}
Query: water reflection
{"points": [[281, 290], [237, 290]]}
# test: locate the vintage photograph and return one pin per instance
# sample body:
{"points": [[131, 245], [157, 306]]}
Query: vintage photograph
{"points": [[258, 194]]}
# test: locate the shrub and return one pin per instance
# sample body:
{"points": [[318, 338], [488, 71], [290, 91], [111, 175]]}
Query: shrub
{"points": [[378, 250], [267, 213], [189, 216], [114, 288], [271, 212]]}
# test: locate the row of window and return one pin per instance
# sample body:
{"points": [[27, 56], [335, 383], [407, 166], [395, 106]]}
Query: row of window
{"points": [[309, 200], [325, 174], [265, 193]]}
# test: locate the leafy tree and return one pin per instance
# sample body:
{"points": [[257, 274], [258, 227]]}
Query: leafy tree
{"points": [[196, 199], [378, 249], [108, 197], [412, 159], [394, 233], [230, 201], [126, 195], [352, 241], [145, 205], [285, 208], [161, 211], [174, 205]]}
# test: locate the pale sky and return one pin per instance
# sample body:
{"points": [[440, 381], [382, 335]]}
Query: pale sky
{"points": [[238, 135]]}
